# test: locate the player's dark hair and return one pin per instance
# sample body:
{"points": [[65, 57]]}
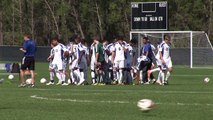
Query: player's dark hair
{"points": [[27, 35], [120, 38], [146, 38], [96, 38], [55, 38]]}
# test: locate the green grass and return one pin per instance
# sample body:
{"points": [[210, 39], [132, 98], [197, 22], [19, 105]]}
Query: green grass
{"points": [[186, 98]]}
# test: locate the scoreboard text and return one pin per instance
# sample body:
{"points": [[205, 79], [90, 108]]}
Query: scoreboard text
{"points": [[149, 15]]}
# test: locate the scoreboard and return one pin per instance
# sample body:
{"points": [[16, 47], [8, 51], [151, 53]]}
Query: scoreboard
{"points": [[149, 16]]}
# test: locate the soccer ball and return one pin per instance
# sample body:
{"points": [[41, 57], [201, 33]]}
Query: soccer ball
{"points": [[10, 77], [43, 80], [145, 104], [206, 80], [28, 81]]}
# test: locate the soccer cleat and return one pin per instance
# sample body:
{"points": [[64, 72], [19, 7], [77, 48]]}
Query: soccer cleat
{"points": [[59, 83], [22, 85], [31, 86], [166, 83], [80, 82], [50, 83], [64, 84]]}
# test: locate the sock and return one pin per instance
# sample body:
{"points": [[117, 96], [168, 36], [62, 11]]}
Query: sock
{"points": [[58, 75], [162, 77], [159, 76], [93, 76], [120, 76], [115, 75], [77, 74], [141, 76], [154, 70], [82, 74], [167, 76], [52, 76], [63, 76]]}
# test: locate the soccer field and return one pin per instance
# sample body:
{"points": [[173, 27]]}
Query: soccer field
{"points": [[186, 97]]}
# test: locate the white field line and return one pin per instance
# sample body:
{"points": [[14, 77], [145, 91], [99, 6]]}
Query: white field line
{"points": [[101, 92], [114, 102]]}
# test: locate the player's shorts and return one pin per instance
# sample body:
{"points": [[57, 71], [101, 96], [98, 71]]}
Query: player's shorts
{"points": [[28, 63], [51, 66], [58, 66], [119, 64], [74, 65], [158, 62], [168, 64]]}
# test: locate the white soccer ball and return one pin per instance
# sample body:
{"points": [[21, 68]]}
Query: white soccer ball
{"points": [[28, 81], [43, 80], [10, 77], [145, 104], [206, 80]]}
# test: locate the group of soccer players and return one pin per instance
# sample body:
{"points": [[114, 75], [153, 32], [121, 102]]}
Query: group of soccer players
{"points": [[110, 63]]}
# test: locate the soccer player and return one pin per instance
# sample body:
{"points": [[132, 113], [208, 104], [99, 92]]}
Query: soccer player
{"points": [[81, 58], [92, 63], [51, 67], [128, 63], [109, 50], [119, 58], [158, 62], [166, 62], [146, 52], [28, 61], [58, 60], [99, 60]]}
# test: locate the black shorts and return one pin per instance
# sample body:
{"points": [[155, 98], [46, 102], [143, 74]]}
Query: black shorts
{"points": [[28, 63]]}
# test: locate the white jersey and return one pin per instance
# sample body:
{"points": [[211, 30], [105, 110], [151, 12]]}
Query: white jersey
{"points": [[157, 56], [119, 52], [59, 53], [110, 47], [92, 48], [165, 50]]}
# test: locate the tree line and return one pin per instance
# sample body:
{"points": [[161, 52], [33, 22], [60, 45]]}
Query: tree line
{"points": [[44, 19]]}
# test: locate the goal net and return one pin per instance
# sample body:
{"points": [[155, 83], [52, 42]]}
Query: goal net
{"points": [[188, 48]]}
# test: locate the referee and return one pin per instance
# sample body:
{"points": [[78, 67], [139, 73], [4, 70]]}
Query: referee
{"points": [[28, 61]]}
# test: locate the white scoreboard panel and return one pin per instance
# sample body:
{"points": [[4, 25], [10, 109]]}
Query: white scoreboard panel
{"points": [[149, 15]]}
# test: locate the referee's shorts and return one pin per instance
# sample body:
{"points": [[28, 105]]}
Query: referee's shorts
{"points": [[28, 63]]}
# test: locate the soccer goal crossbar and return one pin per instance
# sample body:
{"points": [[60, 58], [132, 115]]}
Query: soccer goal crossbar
{"points": [[192, 48]]}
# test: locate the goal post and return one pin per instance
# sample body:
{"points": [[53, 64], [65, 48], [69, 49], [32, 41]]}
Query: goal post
{"points": [[188, 48]]}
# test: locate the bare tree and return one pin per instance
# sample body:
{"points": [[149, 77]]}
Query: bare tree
{"points": [[76, 15], [54, 17], [99, 20], [32, 18]]}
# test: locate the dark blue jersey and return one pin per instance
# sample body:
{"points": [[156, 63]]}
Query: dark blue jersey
{"points": [[147, 48], [30, 47]]}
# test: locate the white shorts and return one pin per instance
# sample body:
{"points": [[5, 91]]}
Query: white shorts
{"points": [[158, 62], [74, 64], [51, 66], [58, 66], [168, 63], [119, 64]]}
